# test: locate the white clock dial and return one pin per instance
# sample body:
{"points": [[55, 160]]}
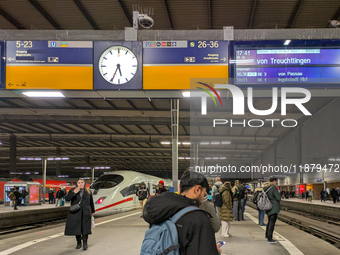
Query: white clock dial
{"points": [[118, 65]]}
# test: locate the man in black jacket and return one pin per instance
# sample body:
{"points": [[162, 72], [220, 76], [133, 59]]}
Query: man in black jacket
{"points": [[24, 193], [17, 197], [195, 232], [143, 194]]}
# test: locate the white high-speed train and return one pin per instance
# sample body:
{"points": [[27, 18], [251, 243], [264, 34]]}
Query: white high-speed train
{"points": [[116, 191]]}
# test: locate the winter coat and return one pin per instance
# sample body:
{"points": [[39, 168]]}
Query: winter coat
{"points": [[80, 220], [209, 208], [143, 193], [215, 189], [195, 234], [60, 194], [274, 197], [226, 209], [17, 194], [334, 193], [24, 193], [160, 191]]}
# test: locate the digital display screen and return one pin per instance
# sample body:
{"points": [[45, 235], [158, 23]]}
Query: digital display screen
{"points": [[34, 194], [8, 190], [314, 63], [49, 65], [174, 65]]}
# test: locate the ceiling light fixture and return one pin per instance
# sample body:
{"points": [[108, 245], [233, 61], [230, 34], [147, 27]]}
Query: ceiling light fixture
{"points": [[42, 94], [287, 42]]}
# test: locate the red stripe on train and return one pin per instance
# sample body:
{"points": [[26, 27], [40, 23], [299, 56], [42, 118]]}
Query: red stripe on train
{"points": [[118, 203]]}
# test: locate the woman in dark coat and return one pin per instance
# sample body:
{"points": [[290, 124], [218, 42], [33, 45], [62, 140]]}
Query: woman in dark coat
{"points": [[79, 223]]}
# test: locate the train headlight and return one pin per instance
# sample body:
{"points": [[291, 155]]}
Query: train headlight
{"points": [[100, 200]]}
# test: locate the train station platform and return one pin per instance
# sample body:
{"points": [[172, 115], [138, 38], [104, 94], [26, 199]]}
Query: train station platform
{"points": [[123, 234], [317, 207], [30, 214]]}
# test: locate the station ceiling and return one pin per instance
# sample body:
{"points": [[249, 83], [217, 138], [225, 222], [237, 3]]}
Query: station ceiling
{"points": [[128, 134], [167, 14]]}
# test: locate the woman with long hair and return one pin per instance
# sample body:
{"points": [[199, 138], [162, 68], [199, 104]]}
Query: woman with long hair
{"points": [[78, 222], [226, 209]]}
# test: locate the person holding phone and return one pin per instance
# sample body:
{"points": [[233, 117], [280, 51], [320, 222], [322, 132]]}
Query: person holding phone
{"points": [[78, 223]]}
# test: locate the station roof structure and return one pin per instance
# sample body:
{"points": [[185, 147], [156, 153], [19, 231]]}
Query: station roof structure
{"points": [[167, 14]]}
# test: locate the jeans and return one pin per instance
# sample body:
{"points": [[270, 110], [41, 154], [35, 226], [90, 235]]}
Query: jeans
{"points": [[218, 211], [270, 226], [244, 207], [237, 210], [16, 202], [261, 217], [23, 199]]}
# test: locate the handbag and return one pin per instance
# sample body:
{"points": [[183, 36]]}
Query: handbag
{"points": [[93, 224], [76, 207]]}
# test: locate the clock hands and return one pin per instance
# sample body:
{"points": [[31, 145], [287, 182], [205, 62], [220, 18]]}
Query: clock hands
{"points": [[120, 71], [118, 67]]}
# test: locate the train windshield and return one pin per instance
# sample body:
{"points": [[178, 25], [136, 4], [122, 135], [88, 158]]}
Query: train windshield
{"points": [[107, 181]]}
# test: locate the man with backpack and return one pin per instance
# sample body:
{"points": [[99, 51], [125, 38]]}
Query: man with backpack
{"points": [[217, 197], [189, 231], [261, 213], [238, 195], [143, 194], [59, 196], [270, 189]]}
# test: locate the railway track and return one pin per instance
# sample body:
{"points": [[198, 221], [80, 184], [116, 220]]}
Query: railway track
{"points": [[10, 230], [325, 228]]}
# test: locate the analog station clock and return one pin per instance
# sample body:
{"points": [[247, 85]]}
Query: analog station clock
{"points": [[118, 65]]}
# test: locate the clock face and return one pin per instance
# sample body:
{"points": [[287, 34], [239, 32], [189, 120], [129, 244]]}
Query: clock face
{"points": [[118, 65]]}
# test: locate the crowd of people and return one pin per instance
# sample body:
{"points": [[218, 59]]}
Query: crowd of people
{"points": [[227, 205], [18, 198]]}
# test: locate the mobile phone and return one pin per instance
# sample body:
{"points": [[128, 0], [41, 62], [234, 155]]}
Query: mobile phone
{"points": [[222, 243]]}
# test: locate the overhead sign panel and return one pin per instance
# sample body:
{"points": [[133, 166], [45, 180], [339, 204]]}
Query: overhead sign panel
{"points": [[172, 65], [2, 65], [49, 65], [313, 63]]}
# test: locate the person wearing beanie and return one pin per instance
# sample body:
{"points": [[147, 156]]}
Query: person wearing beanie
{"points": [[161, 188]]}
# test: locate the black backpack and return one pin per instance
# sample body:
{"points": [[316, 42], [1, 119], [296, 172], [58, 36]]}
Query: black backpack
{"points": [[239, 193], [256, 195], [218, 198]]}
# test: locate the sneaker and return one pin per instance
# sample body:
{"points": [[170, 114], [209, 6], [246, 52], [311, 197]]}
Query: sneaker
{"points": [[16, 209], [264, 225], [225, 236], [272, 241]]}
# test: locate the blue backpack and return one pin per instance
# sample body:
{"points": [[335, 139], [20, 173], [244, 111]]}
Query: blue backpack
{"points": [[162, 238]]}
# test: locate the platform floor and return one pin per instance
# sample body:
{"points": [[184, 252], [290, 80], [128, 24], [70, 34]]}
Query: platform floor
{"points": [[4, 209], [317, 202], [123, 234]]}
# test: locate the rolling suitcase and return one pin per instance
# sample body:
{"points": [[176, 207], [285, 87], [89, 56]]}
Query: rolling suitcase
{"points": [[61, 202]]}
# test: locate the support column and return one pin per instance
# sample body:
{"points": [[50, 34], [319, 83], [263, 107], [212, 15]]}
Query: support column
{"points": [[196, 162], [92, 174], [44, 161], [58, 169], [12, 154], [174, 130], [299, 144]]}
